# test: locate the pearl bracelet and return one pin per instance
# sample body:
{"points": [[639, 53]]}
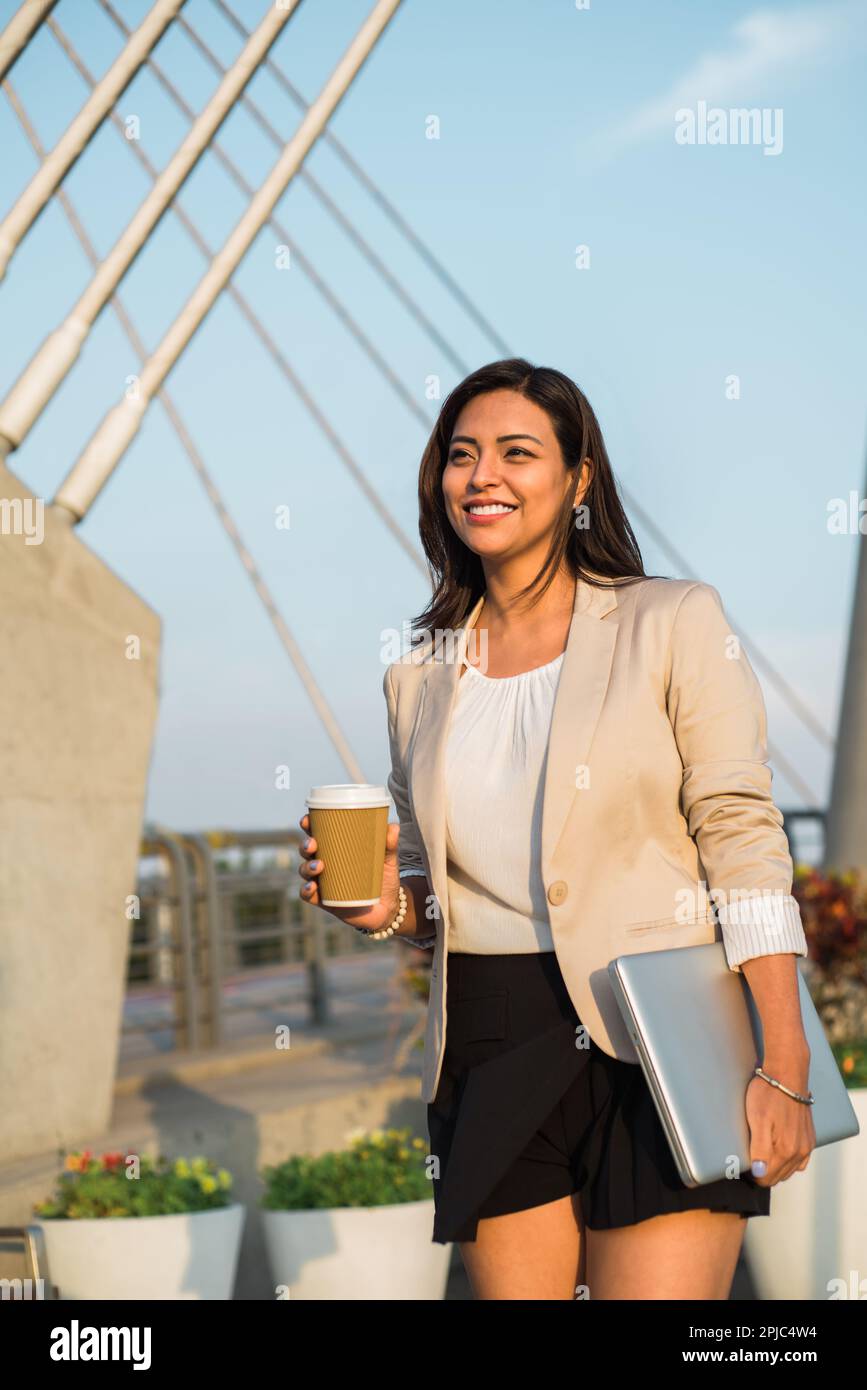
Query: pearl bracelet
{"points": [[390, 930]]}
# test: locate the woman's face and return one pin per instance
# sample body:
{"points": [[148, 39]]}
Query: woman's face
{"points": [[504, 450]]}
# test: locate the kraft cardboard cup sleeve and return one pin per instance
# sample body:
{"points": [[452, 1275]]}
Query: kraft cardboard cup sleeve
{"points": [[348, 821]]}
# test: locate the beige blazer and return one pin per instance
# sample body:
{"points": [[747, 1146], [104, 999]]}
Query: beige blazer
{"points": [[658, 825]]}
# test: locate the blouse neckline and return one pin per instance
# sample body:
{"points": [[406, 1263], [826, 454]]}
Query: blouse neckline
{"points": [[518, 676]]}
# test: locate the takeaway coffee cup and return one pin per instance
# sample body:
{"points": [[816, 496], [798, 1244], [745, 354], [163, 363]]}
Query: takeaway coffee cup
{"points": [[348, 821]]}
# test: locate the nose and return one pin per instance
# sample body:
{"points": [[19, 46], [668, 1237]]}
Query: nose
{"points": [[485, 473]]}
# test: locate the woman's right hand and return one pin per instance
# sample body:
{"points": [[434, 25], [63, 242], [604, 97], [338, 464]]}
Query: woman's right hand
{"points": [[381, 914]]}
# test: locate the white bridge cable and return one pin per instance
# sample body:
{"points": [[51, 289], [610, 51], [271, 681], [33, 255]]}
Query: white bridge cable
{"points": [[20, 30], [317, 698], [391, 212], [81, 130], [242, 303], [53, 361], [247, 189], [110, 441], [413, 308]]}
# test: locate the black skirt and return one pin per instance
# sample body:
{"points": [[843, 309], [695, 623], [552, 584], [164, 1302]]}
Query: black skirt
{"points": [[525, 1114]]}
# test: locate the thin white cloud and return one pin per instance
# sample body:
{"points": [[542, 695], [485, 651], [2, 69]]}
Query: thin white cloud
{"points": [[766, 46]]}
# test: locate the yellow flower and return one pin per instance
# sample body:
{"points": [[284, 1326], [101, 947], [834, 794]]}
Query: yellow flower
{"points": [[199, 1165], [182, 1168], [403, 1153], [207, 1183], [224, 1178], [376, 1136], [418, 1143]]}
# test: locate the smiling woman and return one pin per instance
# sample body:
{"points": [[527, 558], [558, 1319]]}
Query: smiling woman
{"points": [[524, 439], [553, 810]]}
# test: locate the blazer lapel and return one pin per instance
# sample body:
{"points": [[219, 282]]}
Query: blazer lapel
{"points": [[581, 690], [584, 678]]}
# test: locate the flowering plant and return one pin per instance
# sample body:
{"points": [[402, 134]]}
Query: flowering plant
{"points": [[379, 1168], [834, 913], [117, 1184]]}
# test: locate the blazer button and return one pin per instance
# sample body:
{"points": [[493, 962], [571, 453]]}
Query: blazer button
{"points": [[557, 892]]}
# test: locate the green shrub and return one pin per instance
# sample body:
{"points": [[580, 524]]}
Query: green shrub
{"points": [[379, 1168], [109, 1187]]}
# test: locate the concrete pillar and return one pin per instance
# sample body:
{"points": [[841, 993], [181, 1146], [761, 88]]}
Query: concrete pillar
{"points": [[78, 705]]}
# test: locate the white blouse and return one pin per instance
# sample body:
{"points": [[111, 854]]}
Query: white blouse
{"points": [[495, 758]]}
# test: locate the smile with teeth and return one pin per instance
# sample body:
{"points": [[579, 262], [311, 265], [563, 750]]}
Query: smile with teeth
{"points": [[489, 509]]}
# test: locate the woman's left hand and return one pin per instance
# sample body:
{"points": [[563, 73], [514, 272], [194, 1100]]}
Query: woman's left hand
{"points": [[782, 1133]]}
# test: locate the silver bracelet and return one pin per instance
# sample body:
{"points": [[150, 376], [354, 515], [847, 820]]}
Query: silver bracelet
{"points": [[805, 1100], [383, 932]]}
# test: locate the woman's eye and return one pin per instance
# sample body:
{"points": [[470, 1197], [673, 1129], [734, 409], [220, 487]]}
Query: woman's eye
{"points": [[458, 454]]}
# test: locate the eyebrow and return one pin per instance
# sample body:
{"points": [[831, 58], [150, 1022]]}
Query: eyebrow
{"points": [[501, 439]]}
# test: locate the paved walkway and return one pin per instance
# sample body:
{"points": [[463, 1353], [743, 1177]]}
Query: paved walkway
{"points": [[360, 988]]}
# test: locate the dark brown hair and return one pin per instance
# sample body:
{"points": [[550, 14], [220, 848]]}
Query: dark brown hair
{"points": [[607, 548]]}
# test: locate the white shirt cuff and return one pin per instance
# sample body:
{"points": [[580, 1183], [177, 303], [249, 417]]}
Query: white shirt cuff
{"points": [[766, 924]]}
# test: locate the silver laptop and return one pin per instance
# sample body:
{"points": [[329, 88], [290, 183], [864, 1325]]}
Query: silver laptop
{"points": [[698, 1035]]}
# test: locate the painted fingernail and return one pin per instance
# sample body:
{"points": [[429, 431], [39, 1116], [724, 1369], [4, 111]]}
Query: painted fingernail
{"points": [[306, 844], [759, 1167], [314, 864]]}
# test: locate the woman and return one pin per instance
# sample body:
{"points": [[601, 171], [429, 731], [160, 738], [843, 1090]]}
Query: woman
{"points": [[574, 780]]}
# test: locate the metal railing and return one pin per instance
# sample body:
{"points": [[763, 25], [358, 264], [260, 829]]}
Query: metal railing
{"points": [[216, 908], [806, 828]]}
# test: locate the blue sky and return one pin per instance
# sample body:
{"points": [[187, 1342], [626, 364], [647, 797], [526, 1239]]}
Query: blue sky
{"points": [[556, 130]]}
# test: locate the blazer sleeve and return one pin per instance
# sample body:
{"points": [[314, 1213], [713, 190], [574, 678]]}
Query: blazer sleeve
{"points": [[717, 712], [409, 855]]}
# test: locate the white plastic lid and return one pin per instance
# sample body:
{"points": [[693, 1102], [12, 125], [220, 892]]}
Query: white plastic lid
{"points": [[347, 796]]}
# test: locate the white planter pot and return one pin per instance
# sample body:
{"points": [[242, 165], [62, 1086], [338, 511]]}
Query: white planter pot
{"points": [[817, 1231], [185, 1256], [380, 1253]]}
